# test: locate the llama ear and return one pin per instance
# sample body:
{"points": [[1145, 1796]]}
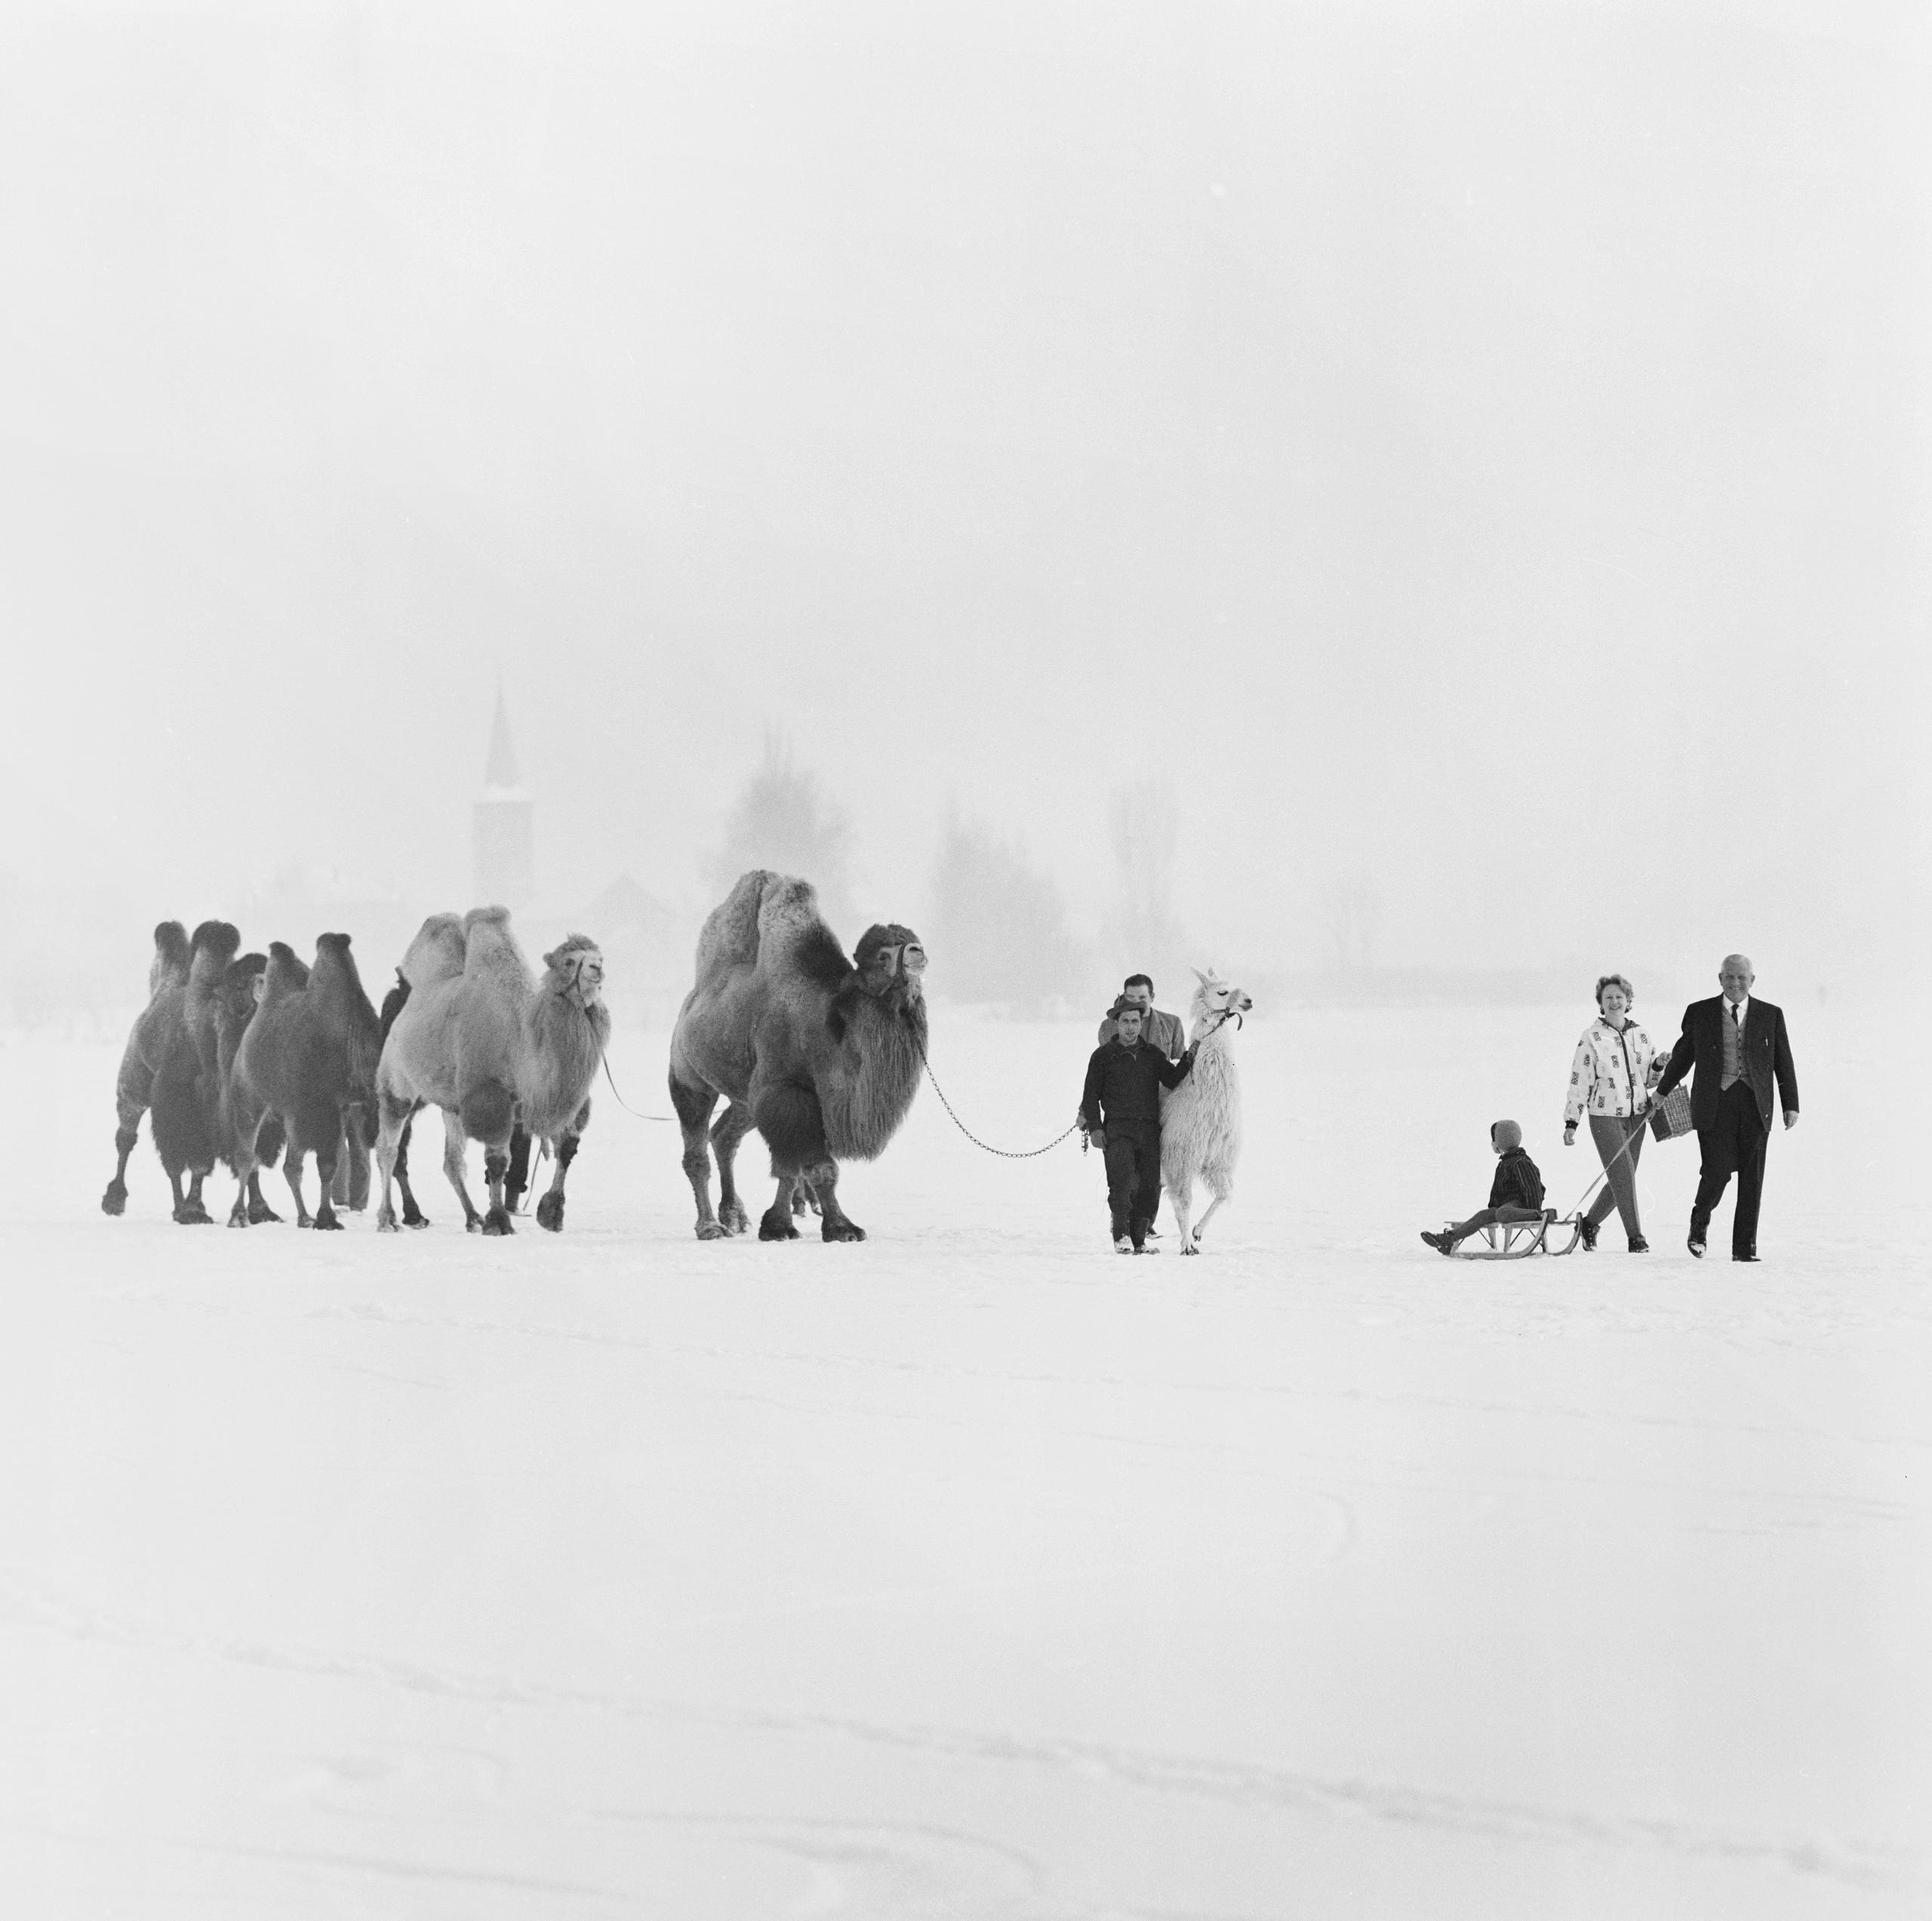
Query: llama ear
{"points": [[1199, 976]]}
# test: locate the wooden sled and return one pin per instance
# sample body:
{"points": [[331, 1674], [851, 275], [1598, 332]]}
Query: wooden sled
{"points": [[1517, 1240]]}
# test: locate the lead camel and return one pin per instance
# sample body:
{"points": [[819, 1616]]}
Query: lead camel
{"points": [[821, 1054]]}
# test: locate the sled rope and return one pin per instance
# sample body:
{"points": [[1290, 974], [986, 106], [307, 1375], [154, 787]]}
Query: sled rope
{"points": [[1629, 1141], [1004, 1154]]}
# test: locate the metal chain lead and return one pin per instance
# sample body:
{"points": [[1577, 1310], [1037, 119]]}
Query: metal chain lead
{"points": [[1004, 1154]]}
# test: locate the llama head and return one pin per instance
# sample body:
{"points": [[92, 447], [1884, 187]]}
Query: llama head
{"points": [[1215, 1000]]}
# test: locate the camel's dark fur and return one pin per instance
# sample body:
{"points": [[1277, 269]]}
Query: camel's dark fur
{"points": [[822, 1055], [308, 1059], [147, 1046], [186, 1097]]}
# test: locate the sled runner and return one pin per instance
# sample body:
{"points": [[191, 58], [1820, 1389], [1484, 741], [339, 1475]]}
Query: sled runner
{"points": [[1517, 1240]]}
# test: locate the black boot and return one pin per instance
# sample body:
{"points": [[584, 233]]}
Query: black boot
{"points": [[1589, 1228]]}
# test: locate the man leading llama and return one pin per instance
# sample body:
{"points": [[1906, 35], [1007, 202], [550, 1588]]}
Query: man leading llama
{"points": [[1120, 1113]]}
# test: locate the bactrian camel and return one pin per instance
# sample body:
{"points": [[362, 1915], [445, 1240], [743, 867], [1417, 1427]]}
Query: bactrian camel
{"points": [[478, 1038], [308, 1059], [147, 1045], [821, 1054], [1200, 1119], [169, 1066]]}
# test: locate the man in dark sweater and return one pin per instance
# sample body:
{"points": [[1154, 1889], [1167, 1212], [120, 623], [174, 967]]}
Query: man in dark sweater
{"points": [[1120, 1113], [1516, 1194]]}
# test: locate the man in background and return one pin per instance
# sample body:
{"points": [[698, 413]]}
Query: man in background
{"points": [[1164, 1030], [1738, 1046]]}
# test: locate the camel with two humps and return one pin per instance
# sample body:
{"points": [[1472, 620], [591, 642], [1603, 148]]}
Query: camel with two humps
{"points": [[478, 1037]]}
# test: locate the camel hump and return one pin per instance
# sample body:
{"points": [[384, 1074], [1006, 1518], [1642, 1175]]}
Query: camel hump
{"points": [[489, 947], [220, 940], [286, 973], [436, 953], [794, 939], [169, 965]]}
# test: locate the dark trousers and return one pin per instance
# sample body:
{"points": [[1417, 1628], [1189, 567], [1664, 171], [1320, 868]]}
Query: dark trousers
{"points": [[1734, 1144], [1134, 1175]]}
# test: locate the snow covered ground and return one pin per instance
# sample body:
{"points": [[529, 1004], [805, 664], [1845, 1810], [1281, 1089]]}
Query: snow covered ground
{"points": [[975, 1571]]}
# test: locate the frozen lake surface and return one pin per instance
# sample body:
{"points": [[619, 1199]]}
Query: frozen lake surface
{"points": [[974, 1570]]}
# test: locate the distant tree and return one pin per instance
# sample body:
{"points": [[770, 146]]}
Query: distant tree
{"points": [[1143, 933], [999, 930], [783, 818]]}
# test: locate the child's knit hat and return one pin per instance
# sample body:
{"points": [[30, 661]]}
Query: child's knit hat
{"points": [[1507, 1134]]}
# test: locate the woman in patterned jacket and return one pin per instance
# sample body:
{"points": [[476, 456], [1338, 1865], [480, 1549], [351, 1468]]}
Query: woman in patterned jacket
{"points": [[1616, 1066]]}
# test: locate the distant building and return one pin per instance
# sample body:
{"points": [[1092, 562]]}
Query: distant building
{"points": [[505, 829]]}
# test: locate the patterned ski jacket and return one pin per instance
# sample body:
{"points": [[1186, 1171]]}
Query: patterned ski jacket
{"points": [[1612, 1072]]}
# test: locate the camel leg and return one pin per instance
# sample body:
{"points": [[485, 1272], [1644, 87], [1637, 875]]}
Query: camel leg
{"points": [[191, 1211], [787, 1113], [734, 1124], [516, 1179], [131, 1101], [357, 1131], [496, 1169], [456, 1146], [395, 1120], [259, 1210], [550, 1209], [115, 1200], [836, 1224], [413, 1216], [330, 1154], [186, 1207], [693, 1106], [775, 1223], [292, 1156]]}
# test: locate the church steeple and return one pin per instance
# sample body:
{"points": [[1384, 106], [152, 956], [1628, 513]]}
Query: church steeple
{"points": [[500, 769], [504, 823]]}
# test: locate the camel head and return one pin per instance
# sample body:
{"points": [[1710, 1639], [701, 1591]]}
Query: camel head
{"points": [[240, 988], [576, 970], [1215, 1001], [889, 960]]}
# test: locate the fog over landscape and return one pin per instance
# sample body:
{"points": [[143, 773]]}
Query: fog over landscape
{"points": [[1407, 438], [1421, 504]]}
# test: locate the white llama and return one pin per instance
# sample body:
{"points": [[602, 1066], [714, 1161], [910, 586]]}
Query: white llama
{"points": [[1200, 1119]]}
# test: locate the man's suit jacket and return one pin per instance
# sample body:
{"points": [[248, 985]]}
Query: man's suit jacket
{"points": [[1766, 1055]]}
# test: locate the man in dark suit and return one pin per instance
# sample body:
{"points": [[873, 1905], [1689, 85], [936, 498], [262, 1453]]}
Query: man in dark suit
{"points": [[1737, 1045]]}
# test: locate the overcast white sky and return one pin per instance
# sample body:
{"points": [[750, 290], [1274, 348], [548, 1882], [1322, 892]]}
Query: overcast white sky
{"points": [[1482, 446]]}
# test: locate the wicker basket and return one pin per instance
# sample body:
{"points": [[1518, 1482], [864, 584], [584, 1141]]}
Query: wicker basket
{"points": [[1671, 1116]]}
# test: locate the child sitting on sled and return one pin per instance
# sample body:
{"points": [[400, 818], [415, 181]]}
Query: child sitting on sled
{"points": [[1516, 1193]]}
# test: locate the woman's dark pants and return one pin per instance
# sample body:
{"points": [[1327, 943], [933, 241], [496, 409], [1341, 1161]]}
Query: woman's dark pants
{"points": [[1134, 1175]]}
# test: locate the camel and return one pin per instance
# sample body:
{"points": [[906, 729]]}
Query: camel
{"points": [[822, 1055], [185, 1100], [515, 1180], [307, 1059], [493, 1050], [233, 1003], [1200, 1119], [147, 1046]]}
